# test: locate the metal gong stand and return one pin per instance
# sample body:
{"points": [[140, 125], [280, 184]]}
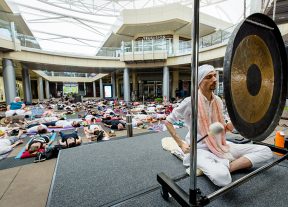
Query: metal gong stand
{"points": [[195, 197]]}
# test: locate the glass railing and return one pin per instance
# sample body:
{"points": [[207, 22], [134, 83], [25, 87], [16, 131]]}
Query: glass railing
{"points": [[109, 52], [215, 38], [66, 74], [148, 46], [165, 45], [184, 47], [5, 30], [28, 41], [32, 42]]}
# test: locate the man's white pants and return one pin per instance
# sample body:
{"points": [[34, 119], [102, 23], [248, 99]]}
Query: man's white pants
{"points": [[217, 169], [17, 112]]}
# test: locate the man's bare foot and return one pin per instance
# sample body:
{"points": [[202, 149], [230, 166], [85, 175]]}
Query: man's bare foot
{"points": [[17, 125]]}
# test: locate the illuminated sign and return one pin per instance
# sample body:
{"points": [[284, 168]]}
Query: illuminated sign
{"points": [[108, 91], [70, 88]]}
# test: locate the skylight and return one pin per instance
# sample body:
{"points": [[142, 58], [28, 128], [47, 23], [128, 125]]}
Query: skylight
{"points": [[81, 26]]}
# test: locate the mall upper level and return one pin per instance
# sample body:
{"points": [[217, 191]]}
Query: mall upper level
{"points": [[143, 38], [140, 38]]}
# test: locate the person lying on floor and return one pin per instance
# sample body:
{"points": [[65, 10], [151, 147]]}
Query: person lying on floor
{"points": [[38, 143], [91, 119], [10, 131], [37, 129], [145, 118], [42, 120], [137, 122], [67, 141], [160, 116], [62, 124], [7, 144], [59, 124], [114, 124], [48, 118], [110, 117], [49, 112], [19, 119], [95, 133]]}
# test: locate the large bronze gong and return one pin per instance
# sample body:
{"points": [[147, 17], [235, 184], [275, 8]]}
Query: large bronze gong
{"points": [[255, 77]]}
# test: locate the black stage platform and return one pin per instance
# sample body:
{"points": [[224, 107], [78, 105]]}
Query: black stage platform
{"points": [[123, 173]]}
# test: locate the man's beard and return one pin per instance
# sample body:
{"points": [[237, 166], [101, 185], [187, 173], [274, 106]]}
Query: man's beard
{"points": [[213, 87]]}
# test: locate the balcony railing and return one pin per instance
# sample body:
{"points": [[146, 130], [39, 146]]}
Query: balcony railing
{"points": [[148, 46], [66, 74], [28, 41], [109, 52], [137, 47], [215, 38]]}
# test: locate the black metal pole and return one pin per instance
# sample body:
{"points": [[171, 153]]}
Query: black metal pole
{"points": [[240, 181], [170, 186], [194, 101], [273, 147]]}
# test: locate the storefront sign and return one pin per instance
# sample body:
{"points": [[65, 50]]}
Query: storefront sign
{"points": [[157, 37]]}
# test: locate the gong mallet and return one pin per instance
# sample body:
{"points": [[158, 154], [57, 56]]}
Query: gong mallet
{"points": [[215, 128]]}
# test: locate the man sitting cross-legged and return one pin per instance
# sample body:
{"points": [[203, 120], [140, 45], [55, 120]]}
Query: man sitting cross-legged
{"points": [[216, 157]]}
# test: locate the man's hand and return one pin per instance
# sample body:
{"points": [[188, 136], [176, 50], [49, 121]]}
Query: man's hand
{"points": [[185, 147], [229, 126]]}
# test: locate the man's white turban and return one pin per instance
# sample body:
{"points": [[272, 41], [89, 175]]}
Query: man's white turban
{"points": [[204, 70]]}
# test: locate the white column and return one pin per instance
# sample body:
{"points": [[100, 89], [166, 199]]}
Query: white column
{"points": [[175, 82], [134, 81], [126, 85], [117, 88], [165, 85], [101, 88], [26, 82], [113, 82], [40, 89], [47, 90], [9, 79], [94, 89]]}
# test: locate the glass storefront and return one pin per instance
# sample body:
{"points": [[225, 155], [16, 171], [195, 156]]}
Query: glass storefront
{"points": [[152, 89], [149, 45]]}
